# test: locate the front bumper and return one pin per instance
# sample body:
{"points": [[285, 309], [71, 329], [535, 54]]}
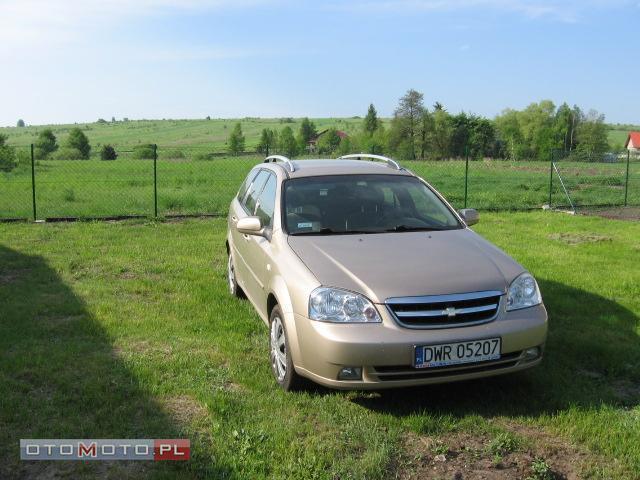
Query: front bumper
{"points": [[385, 350]]}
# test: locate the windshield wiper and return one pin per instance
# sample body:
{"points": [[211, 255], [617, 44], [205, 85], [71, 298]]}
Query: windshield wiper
{"points": [[330, 231], [406, 228]]}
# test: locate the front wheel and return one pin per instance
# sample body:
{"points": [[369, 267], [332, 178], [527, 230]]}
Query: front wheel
{"points": [[280, 355]]}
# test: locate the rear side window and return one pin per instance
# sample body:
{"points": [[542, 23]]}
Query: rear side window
{"points": [[253, 191], [267, 201]]}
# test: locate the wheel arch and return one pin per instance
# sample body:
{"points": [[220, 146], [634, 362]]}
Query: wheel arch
{"points": [[279, 295]]}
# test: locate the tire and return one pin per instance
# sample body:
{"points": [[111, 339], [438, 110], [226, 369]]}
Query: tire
{"points": [[232, 282], [279, 353]]}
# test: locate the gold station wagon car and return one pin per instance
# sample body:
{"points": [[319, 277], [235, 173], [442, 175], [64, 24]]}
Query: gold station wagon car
{"points": [[368, 278]]}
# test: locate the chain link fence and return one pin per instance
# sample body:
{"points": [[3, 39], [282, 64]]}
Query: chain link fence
{"points": [[149, 180]]}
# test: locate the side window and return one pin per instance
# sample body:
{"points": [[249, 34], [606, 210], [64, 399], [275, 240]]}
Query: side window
{"points": [[245, 185], [253, 191], [267, 201]]}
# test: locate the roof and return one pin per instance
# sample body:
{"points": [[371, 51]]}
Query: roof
{"points": [[634, 138], [314, 140], [316, 167]]}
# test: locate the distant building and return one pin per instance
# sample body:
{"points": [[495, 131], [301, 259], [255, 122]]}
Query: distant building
{"points": [[633, 142], [312, 144]]}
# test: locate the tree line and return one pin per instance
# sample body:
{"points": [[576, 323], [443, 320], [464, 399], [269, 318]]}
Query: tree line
{"points": [[417, 132]]}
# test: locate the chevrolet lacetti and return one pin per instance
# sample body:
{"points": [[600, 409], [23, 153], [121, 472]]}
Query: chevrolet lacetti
{"points": [[368, 278]]}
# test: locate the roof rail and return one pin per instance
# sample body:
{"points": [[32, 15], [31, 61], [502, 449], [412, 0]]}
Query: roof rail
{"points": [[276, 158], [370, 156]]}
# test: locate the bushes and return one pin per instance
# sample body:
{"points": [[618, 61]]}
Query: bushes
{"points": [[108, 153], [68, 153], [7, 155], [144, 152], [45, 144], [77, 140]]}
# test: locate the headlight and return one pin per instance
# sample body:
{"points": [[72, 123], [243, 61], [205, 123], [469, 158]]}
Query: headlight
{"points": [[341, 306], [523, 293]]}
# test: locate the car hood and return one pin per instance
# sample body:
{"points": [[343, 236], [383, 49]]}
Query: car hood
{"points": [[400, 264]]}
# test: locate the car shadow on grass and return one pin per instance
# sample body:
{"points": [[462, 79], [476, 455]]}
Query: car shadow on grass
{"points": [[61, 378], [592, 359]]}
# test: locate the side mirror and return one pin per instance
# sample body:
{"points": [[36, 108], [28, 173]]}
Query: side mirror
{"points": [[470, 216], [249, 226]]}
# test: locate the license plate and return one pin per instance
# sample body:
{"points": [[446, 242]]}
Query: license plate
{"points": [[429, 356]]}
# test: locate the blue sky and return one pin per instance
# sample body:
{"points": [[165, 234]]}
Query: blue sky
{"points": [[73, 60]]}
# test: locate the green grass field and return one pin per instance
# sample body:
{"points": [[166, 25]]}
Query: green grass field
{"points": [[95, 188], [126, 330], [211, 133]]}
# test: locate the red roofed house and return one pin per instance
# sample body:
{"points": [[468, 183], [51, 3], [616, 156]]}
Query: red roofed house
{"points": [[313, 142], [633, 142]]}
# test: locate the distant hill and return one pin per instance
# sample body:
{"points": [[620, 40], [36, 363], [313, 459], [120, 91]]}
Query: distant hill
{"points": [[212, 132]]}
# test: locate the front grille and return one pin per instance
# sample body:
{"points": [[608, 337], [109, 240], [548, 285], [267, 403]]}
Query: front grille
{"points": [[444, 311], [407, 372]]}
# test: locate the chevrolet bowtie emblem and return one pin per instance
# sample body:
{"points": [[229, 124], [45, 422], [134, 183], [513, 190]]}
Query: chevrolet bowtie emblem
{"points": [[449, 312]]}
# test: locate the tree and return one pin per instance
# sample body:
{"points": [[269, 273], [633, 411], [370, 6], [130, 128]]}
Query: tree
{"points": [[371, 121], [7, 155], [267, 141], [426, 132], [101, 120], [329, 141], [346, 146], [442, 132], [438, 106], [113, 119], [79, 141], [375, 143], [307, 132], [236, 140], [508, 125], [20, 124], [108, 153], [592, 135], [287, 144], [45, 144], [405, 123]]}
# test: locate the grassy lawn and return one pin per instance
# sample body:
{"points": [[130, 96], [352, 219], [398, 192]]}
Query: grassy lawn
{"points": [[95, 188], [125, 330]]}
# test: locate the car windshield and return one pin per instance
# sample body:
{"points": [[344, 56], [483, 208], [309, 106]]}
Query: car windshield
{"points": [[342, 204]]}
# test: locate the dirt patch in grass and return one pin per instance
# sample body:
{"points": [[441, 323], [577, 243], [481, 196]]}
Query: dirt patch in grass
{"points": [[185, 409], [530, 454], [578, 238], [144, 348], [122, 470], [617, 213]]}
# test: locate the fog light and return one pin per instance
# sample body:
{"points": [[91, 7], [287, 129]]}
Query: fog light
{"points": [[531, 353], [350, 373]]}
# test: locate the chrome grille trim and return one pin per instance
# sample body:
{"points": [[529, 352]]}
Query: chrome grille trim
{"points": [[445, 311], [440, 313]]}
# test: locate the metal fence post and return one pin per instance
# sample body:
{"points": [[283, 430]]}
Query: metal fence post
{"points": [[550, 179], [33, 183], [626, 181], [466, 174], [155, 180]]}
